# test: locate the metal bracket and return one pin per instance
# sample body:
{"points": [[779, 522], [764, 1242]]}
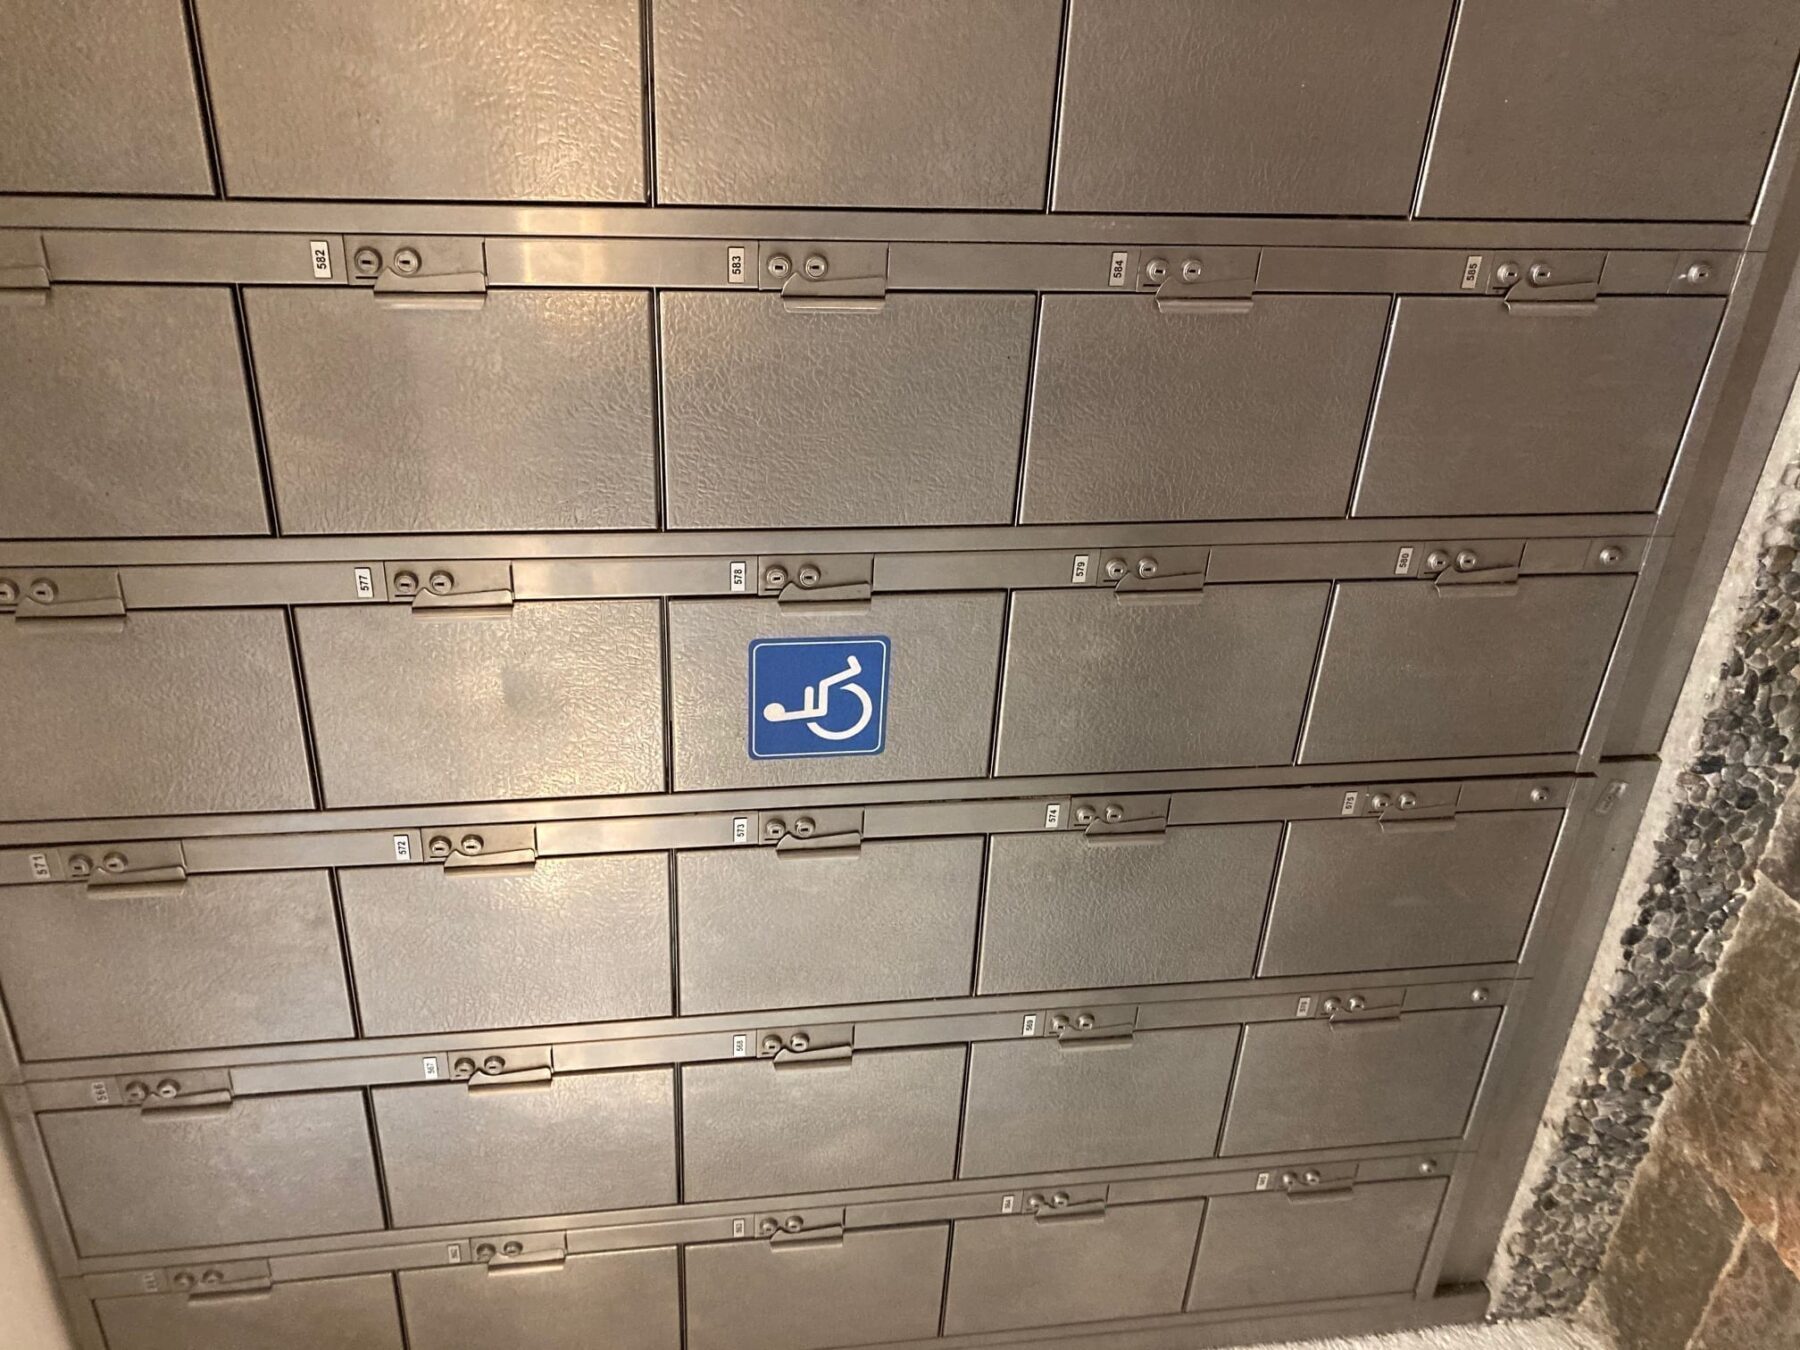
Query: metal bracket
{"points": [[800, 1228], [91, 599], [846, 581], [836, 278], [472, 590], [1126, 820], [1402, 810], [434, 272], [1463, 571], [1139, 574], [1322, 1181], [1066, 1203], [515, 1251], [148, 870], [1564, 283], [1083, 1028], [1349, 1010], [215, 1278], [1201, 281], [24, 269], [813, 833], [189, 1090], [484, 850], [794, 1047], [491, 1070]]}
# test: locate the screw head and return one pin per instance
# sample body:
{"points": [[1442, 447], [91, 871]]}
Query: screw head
{"points": [[81, 866], [1540, 795], [1611, 555], [167, 1088], [184, 1279], [112, 862], [513, 1248], [1330, 1005], [1115, 568], [1408, 800], [1114, 812], [438, 846], [1540, 273], [1697, 273], [815, 265], [1436, 560], [407, 261], [1085, 814], [441, 582], [463, 1068], [136, 1091], [774, 828], [1479, 994], [406, 583], [780, 265], [804, 827], [775, 577], [808, 575], [43, 590], [1157, 269], [1190, 269], [367, 261], [799, 1042], [472, 843], [9, 591], [1146, 567], [1379, 801], [1507, 273], [1427, 1167]]}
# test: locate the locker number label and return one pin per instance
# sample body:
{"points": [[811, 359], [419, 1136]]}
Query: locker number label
{"points": [[365, 583], [811, 698], [1116, 277], [321, 260], [40, 867], [1078, 574], [740, 1228], [1350, 802], [737, 265], [740, 1045], [453, 1253], [1403, 561], [1304, 1007], [430, 1064], [1029, 1026], [740, 577], [1008, 1203], [1053, 816], [402, 848], [1472, 272], [740, 829], [1262, 1181]]}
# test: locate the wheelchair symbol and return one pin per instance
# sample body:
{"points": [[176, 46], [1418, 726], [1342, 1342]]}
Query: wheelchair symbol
{"points": [[815, 704], [817, 697]]}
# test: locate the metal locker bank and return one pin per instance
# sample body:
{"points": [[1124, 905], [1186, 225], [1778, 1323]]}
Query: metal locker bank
{"points": [[798, 674]]}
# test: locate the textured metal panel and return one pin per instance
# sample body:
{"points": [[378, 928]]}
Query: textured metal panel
{"points": [[1095, 683], [1352, 896], [1143, 415], [126, 414], [1246, 107], [579, 1142], [764, 930], [932, 103], [878, 1119], [1312, 1084], [884, 1285], [1483, 411], [573, 940], [1663, 111], [631, 1299], [1038, 1106], [261, 1168], [248, 959], [1270, 1249], [355, 1312], [548, 701], [1064, 913], [457, 99], [944, 662], [99, 97], [534, 412], [1020, 1272], [1409, 672], [909, 416], [182, 711]]}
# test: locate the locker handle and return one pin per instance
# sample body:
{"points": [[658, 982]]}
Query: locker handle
{"points": [[544, 1263], [1373, 1020], [230, 1296], [834, 304], [511, 1080], [1106, 1038], [77, 624], [1324, 1196], [1421, 825], [787, 1242], [1113, 838], [205, 1104], [1181, 304], [154, 888]]}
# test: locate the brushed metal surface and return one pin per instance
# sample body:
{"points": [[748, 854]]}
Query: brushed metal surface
{"points": [[534, 412], [631, 1299], [909, 416], [573, 940], [428, 99], [353, 1312], [126, 414]]}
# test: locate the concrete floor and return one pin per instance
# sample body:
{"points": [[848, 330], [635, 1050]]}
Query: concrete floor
{"points": [[1535, 1335]]}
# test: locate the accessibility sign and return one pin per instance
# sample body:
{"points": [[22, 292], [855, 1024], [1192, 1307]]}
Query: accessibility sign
{"points": [[816, 697]]}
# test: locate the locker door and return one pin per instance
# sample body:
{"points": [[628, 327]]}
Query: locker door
{"points": [[1313, 1084], [1040, 1105], [877, 1119], [258, 1169], [1231, 416], [181, 711], [1410, 672], [354, 1312], [422, 99], [940, 705], [533, 412], [1351, 896], [548, 701], [99, 97], [1486, 411], [871, 1286], [1246, 107], [1205, 680], [923, 103], [1663, 111], [628, 1300], [590, 1141], [1132, 1261], [1064, 913], [908, 416], [245, 959], [766, 930], [1370, 1239], [126, 411], [572, 940]]}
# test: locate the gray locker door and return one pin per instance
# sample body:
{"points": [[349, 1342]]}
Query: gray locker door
{"points": [[1133, 1261], [1351, 896], [1039, 1105], [1064, 913], [258, 1169], [181, 711], [126, 413], [418, 99], [534, 412], [872, 1286], [881, 1118], [944, 660], [353, 1312], [1246, 107], [622, 1300], [573, 940], [908, 416], [855, 102], [1231, 416], [246, 959], [585, 1141], [761, 929], [99, 97], [1097, 684], [1316, 1084], [1411, 672], [548, 701], [1486, 411], [1343, 1244], [1661, 111]]}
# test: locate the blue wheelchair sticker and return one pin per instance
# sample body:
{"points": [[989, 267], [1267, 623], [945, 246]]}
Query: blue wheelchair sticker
{"points": [[815, 697]]}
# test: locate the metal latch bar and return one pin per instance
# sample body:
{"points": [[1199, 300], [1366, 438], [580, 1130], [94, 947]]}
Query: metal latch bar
{"points": [[1216, 281], [1123, 820], [1067, 1203], [794, 1047], [91, 599], [1083, 1028], [484, 850], [800, 1228], [142, 871], [24, 268], [846, 277], [421, 273], [823, 832], [846, 581], [1326, 1181], [473, 589], [515, 1251], [515, 1067]]}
